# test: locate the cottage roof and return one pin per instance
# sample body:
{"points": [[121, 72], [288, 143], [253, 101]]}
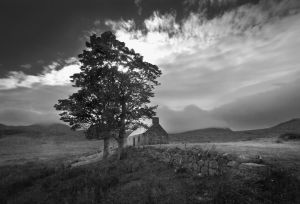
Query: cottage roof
{"points": [[141, 130], [138, 131]]}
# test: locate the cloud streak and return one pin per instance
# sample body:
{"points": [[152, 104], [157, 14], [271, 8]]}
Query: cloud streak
{"points": [[52, 75], [213, 62], [239, 68], [139, 6], [248, 53], [26, 66]]}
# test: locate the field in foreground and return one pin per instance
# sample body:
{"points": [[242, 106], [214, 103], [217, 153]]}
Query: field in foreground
{"points": [[19, 150], [140, 178], [33, 170]]}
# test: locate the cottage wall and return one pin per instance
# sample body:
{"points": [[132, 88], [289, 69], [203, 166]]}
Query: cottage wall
{"points": [[156, 135], [136, 140]]}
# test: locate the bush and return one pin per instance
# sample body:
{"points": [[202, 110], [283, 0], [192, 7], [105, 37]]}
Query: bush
{"points": [[290, 136]]}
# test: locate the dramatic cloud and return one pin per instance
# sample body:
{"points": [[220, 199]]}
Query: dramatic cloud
{"points": [[248, 52], [213, 62], [228, 64], [51, 76]]}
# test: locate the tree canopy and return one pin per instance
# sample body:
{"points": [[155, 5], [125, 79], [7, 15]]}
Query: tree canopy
{"points": [[115, 86]]}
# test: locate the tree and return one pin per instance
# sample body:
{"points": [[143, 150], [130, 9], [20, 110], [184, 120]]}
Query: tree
{"points": [[115, 86]]}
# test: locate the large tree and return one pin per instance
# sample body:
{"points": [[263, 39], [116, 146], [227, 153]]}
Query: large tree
{"points": [[115, 86]]}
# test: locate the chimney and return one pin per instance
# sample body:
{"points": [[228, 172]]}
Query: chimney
{"points": [[155, 120]]}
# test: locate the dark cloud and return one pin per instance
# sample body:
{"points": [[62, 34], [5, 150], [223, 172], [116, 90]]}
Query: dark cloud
{"points": [[238, 55], [215, 8], [32, 30]]}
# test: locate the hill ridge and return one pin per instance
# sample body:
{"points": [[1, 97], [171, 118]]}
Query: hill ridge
{"points": [[39, 130], [226, 134]]}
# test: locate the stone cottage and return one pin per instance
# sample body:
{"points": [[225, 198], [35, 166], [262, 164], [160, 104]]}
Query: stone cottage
{"points": [[155, 134]]}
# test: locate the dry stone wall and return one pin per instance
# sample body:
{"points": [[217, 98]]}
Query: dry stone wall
{"points": [[202, 162]]}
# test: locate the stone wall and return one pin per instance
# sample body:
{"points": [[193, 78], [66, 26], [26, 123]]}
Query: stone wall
{"points": [[203, 162]]}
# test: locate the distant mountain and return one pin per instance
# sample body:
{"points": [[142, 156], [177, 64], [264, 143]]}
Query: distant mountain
{"points": [[205, 135], [62, 131], [39, 130], [289, 126], [226, 134]]}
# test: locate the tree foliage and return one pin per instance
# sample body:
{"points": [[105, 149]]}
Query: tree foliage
{"points": [[115, 86]]}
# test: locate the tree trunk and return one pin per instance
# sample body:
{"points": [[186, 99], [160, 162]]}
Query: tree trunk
{"points": [[120, 148], [105, 137], [122, 132], [106, 147]]}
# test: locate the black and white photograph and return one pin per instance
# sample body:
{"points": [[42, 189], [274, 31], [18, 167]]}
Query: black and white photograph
{"points": [[150, 102]]}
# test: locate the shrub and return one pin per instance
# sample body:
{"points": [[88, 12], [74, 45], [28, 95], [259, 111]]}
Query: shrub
{"points": [[290, 136]]}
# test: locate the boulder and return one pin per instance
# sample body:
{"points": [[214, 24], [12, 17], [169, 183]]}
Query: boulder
{"points": [[201, 163], [252, 165], [249, 159], [204, 170], [252, 170], [195, 166], [213, 164], [212, 172], [233, 164]]}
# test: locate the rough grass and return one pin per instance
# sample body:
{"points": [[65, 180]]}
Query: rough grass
{"points": [[139, 179], [19, 150]]}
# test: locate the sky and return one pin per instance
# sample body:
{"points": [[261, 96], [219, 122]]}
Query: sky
{"points": [[225, 63]]}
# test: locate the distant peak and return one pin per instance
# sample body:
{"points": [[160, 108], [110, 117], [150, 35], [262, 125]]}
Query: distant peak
{"points": [[294, 120], [209, 129], [48, 124]]}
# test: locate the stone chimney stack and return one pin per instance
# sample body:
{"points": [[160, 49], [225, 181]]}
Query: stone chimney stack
{"points": [[155, 120]]}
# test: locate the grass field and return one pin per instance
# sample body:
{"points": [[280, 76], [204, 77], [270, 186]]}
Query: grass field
{"points": [[19, 150], [32, 170], [139, 179]]}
